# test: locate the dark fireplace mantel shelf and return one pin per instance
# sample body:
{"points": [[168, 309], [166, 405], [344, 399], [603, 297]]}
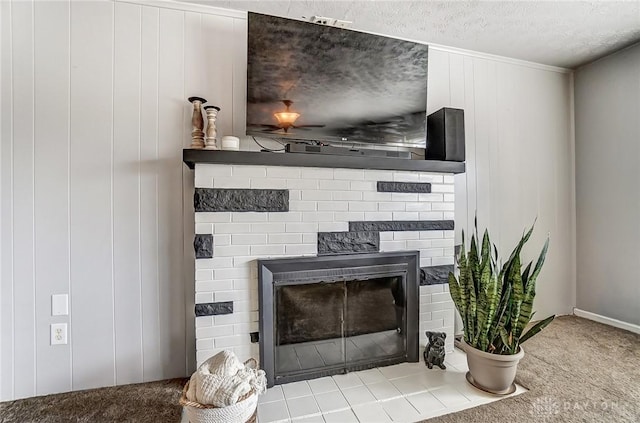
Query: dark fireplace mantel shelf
{"points": [[191, 157]]}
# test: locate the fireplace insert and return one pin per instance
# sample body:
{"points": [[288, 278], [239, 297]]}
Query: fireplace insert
{"points": [[328, 315]]}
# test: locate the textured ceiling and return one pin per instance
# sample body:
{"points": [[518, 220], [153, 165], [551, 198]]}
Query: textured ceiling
{"points": [[559, 33]]}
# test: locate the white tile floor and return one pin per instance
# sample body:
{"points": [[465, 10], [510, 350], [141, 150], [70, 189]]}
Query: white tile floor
{"points": [[407, 392]]}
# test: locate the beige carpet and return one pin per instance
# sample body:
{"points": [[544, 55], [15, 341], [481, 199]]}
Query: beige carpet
{"points": [[576, 371], [153, 402]]}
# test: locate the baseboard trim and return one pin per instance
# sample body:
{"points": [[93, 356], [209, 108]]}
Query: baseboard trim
{"points": [[607, 320]]}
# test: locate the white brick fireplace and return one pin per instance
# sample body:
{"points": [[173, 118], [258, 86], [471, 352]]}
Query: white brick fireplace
{"points": [[319, 200]]}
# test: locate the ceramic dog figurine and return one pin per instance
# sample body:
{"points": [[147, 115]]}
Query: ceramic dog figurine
{"points": [[434, 352]]}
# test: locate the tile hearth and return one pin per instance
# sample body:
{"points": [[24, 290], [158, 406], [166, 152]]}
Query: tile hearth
{"points": [[407, 392]]}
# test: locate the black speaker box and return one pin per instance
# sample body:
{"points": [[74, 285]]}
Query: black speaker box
{"points": [[445, 135]]}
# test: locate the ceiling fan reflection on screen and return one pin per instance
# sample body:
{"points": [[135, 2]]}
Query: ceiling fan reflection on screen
{"points": [[286, 120]]}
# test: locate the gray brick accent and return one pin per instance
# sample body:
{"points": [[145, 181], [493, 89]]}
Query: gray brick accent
{"points": [[401, 225], [435, 275], [213, 309], [203, 245], [348, 242], [240, 200], [420, 187]]}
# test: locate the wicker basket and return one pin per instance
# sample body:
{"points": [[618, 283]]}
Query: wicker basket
{"points": [[240, 412], [244, 410]]}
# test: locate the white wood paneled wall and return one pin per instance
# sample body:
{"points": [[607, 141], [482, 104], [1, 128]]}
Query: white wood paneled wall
{"points": [[520, 160], [94, 119], [95, 201]]}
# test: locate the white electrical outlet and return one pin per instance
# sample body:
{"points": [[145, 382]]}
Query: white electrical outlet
{"points": [[58, 334], [322, 20], [342, 24]]}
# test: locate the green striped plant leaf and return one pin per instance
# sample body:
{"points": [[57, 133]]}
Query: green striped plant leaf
{"points": [[496, 301], [536, 328], [530, 293]]}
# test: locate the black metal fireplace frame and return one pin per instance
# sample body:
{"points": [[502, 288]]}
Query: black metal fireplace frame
{"points": [[302, 270]]}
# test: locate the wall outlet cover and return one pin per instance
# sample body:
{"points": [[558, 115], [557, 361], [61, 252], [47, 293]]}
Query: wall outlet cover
{"points": [[58, 334]]}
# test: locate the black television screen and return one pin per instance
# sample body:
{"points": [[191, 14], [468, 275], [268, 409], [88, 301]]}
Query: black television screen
{"points": [[314, 82]]}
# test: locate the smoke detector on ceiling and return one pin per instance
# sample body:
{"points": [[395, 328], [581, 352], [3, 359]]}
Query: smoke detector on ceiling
{"points": [[323, 20]]}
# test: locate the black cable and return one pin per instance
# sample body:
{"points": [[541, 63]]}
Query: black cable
{"points": [[265, 148], [279, 141], [416, 154]]}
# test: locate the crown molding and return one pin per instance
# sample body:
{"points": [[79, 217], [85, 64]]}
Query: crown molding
{"points": [[239, 14], [188, 7]]}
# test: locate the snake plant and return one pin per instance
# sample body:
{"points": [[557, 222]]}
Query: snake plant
{"points": [[495, 303]]}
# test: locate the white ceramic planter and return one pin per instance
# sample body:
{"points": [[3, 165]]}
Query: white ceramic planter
{"points": [[492, 372]]}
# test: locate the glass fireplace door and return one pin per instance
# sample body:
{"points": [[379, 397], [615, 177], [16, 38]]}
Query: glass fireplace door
{"points": [[329, 327], [375, 320], [309, 327]]}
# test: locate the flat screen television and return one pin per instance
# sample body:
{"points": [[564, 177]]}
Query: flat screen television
{"points": [[307, 81]]}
